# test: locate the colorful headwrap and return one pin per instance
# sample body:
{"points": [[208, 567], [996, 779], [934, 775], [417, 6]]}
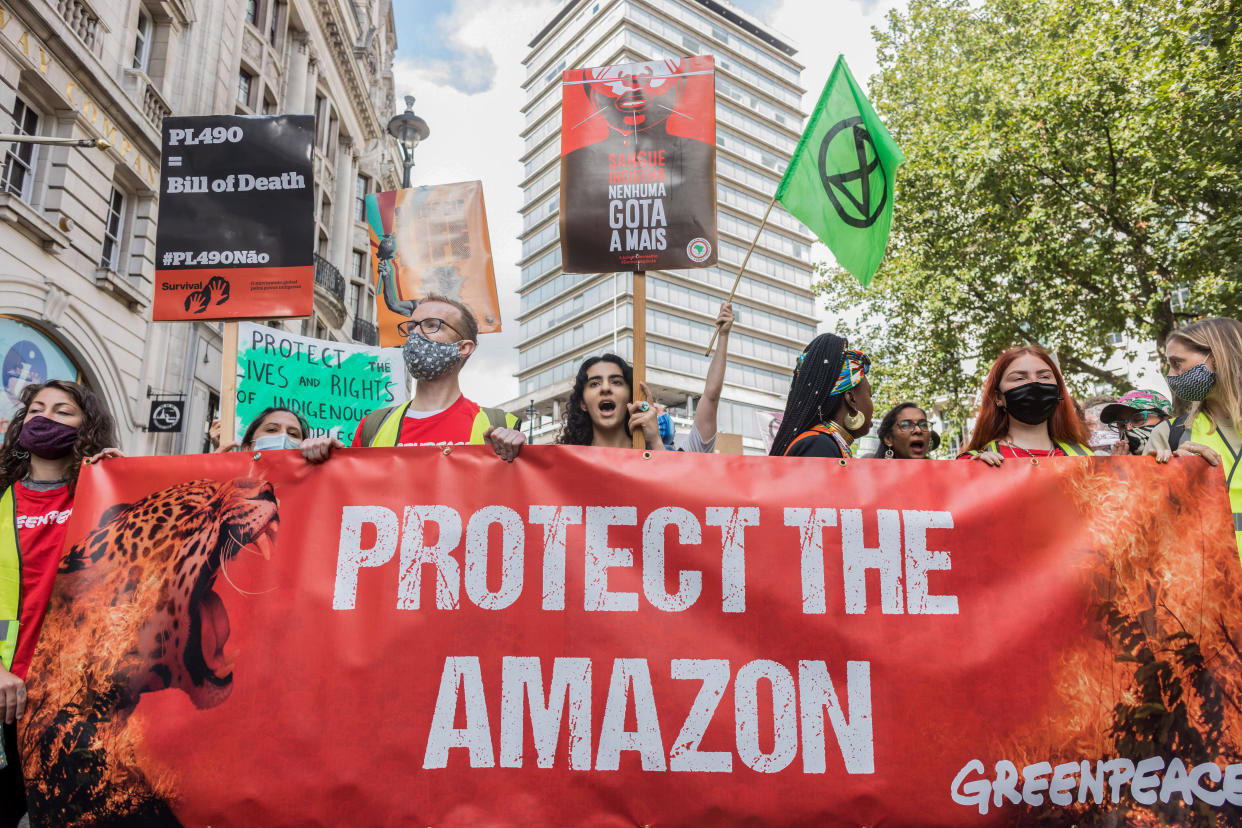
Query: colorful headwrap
{"points": [[1148, 401], [854, 367]]}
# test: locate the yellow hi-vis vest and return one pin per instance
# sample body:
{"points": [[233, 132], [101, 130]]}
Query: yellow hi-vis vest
{"points": [[1070, 449], [10, 578], [390, 429], [1201, 432]]}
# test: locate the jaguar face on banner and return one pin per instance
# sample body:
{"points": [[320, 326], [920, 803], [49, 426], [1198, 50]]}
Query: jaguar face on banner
{"points": [[638, 166], [427, 636]]}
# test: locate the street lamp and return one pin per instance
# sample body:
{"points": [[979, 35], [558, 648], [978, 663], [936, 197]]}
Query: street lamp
{"points": [[409, 130]]}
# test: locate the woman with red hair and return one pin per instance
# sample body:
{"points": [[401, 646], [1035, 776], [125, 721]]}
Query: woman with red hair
{"points": [[1027, 412]]}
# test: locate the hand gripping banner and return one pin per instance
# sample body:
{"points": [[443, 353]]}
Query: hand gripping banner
{"points": [[435, 637]]}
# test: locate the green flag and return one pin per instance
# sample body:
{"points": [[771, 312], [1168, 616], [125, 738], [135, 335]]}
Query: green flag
{"points": [[840, 179]]}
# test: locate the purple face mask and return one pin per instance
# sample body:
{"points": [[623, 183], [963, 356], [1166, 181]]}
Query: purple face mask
{"points": [[47, 438]]}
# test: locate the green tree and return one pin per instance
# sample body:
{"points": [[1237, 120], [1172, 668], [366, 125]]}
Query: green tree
{"points": [[1071, 163]]}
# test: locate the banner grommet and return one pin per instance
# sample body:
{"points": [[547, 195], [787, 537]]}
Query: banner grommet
{"points": [[447, 450]]}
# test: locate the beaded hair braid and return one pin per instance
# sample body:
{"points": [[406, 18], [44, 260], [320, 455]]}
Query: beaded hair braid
{"points": [[810, 398]]}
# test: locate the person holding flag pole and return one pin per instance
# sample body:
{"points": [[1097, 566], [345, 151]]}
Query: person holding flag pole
{"points": [[839, 181]]}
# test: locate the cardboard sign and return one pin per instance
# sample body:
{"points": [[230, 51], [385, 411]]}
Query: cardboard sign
{"points": [[427, 240], [235, 236], [333, 385], [638, 166], [422, 636]]}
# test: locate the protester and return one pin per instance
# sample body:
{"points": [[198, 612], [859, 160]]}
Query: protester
{"points": [[702, 436], [59, 426], [1205, 369], [441, 334], [906, 434], [599, 411], [1133, 417], [1102, 439], [593, 416], [1027, 411], [829, 404], [276, 427]]}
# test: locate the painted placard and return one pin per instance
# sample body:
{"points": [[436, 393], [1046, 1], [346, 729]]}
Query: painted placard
{"points": [[332, 385]]}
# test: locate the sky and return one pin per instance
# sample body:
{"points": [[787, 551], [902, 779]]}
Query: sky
{"points": [[462, 61]]}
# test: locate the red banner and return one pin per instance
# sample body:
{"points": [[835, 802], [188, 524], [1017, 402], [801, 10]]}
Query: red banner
{"points": [[416, 636]]}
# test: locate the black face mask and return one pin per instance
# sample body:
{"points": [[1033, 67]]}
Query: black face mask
{"points": [[1034, 402]]}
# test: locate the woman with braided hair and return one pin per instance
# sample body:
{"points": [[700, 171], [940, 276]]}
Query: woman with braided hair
{"points": [[829, 404]]}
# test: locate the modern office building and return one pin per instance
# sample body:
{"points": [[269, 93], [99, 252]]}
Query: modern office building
{"points": [[566, 317], [77, 225]]}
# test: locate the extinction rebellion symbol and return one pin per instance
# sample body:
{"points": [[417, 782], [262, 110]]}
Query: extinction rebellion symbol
{"points": [[862, 213], [699, 249]]}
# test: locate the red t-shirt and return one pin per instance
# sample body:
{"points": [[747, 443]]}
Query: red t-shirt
{"points": [[451, 427], [41, 521]]}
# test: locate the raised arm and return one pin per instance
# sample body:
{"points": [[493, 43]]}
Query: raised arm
{"points": [[709, 403]]}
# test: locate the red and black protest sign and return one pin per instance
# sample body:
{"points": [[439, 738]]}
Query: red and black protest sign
{"points": [[236, 227], [419, 636], [638, 166]]}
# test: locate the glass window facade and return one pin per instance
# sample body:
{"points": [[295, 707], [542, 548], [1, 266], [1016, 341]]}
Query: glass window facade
{"points": [[19, 159], [113, 227]]}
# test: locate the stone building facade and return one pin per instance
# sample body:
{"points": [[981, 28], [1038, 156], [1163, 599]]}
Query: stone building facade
{"points": [[77, 225]]}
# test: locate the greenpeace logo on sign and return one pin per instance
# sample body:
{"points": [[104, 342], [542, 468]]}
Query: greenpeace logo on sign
{"points": [[1100, 781]]}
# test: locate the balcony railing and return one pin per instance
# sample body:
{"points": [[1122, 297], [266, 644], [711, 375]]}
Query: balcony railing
{"points": [[82, 21], [329, 278], [365, 332]]}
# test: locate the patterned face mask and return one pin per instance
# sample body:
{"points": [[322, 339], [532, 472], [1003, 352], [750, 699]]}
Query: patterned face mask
{"points": [[425, 359], [1193, 385]]}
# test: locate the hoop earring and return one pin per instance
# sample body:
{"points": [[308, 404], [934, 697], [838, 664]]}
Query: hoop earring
{"points": [[888, 453], [854, 421]]}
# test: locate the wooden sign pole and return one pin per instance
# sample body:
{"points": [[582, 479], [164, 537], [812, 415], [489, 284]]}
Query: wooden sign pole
{"points": [[640, 347], [228, 384]]}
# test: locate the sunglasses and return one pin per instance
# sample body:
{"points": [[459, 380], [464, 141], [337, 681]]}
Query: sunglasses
{"points": [[1136, 420]]}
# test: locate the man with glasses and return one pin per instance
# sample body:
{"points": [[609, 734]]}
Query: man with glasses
{"points": [[1134, 416], [441, 334]]}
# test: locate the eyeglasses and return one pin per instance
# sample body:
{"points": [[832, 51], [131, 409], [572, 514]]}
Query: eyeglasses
{"points": [[1136, 420], [428, 326], [910, 425]]}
